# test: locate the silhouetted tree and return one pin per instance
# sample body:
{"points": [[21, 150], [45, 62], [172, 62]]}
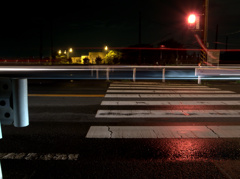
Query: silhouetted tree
{"points": [[98, 60], [113, 57], [86, 61], [173, 54]]}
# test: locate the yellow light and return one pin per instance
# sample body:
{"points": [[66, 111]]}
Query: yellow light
{"points": [[65, 52], [106, 48], [59, 52], [70, 50], [191, 19]]}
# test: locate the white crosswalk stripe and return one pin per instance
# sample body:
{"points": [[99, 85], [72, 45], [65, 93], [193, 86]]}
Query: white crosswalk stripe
{"points": [[157, 94], [155, 86], [172, 96], [164, 132], [166, 91], [162, 88], [167, 103], [166, 113]]}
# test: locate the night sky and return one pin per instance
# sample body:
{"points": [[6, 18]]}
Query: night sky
{"points": [[114, 23]]}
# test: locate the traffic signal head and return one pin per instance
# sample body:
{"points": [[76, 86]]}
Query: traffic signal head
{"points": [[193, 22], [192, 19]]}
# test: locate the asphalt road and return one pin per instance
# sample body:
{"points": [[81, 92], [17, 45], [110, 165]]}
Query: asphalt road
{"points": [[55, 143]]}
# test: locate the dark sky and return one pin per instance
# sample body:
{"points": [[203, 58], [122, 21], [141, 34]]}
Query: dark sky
{"points": [[114, 23]]}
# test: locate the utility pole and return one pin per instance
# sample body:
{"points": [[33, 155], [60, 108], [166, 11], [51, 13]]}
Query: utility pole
{"points": [[205, 31], [216, 39], [140, 29], [51, 42], [203, 53], [41, 43], [140, 38]]}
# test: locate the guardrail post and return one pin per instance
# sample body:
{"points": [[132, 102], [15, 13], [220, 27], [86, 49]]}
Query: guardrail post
{"points": [[107, 74], [163, 75], [1, 176], [20, 102], [199, 77], [134, 74], [92, 72], [0, 138], [199, 80], [97, 74], [6, 110]]}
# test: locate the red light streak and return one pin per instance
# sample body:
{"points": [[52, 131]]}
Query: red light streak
{"points": [[162, 48], [155, 48]]}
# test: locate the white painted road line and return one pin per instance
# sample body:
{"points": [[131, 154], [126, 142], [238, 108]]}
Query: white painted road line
{"points": [[157, 85], [172, 96], [163, 88], [166, 113], [168, 91], [163, 132], [167, 103]]}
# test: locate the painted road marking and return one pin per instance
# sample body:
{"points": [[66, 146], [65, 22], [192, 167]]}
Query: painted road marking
{"points": [[162, 88], [166, 113], [168, 91], [163, 132], [67, 95], [172, 96], [36, 156], [167, 103], [157, 85]]}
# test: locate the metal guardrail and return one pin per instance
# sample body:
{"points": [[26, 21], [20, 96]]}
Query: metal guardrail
{"points": [[13, 81], [58, 72]]}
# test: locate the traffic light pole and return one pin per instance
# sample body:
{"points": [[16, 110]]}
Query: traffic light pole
{"points": [[205, 31], [203, 53]]}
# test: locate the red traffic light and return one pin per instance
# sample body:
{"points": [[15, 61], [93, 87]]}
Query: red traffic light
{"points": [[192, 19], [193, 22]]}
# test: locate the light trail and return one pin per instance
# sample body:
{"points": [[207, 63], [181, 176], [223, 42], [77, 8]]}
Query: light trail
{"points": [[156, 48], [115, 72]]}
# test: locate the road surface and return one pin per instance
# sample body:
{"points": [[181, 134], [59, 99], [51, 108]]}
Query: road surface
{"points": [[98, 129]]}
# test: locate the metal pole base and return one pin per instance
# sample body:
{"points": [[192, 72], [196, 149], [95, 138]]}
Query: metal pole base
{"points": [[134, 74], [0, 137], [20, 102], [163, 75], [1, 176]]}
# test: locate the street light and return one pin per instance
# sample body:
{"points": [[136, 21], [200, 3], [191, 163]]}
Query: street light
{"points": [[68, 53], [106, 48]]}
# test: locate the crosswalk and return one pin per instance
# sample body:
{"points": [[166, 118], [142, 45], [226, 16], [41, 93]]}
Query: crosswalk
{"points": [[138, 99]]}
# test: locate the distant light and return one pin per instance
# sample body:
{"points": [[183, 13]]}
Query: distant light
{"points": [[70, 50], [65, 52], [106, 48], [192, 19], [59, 52]]}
